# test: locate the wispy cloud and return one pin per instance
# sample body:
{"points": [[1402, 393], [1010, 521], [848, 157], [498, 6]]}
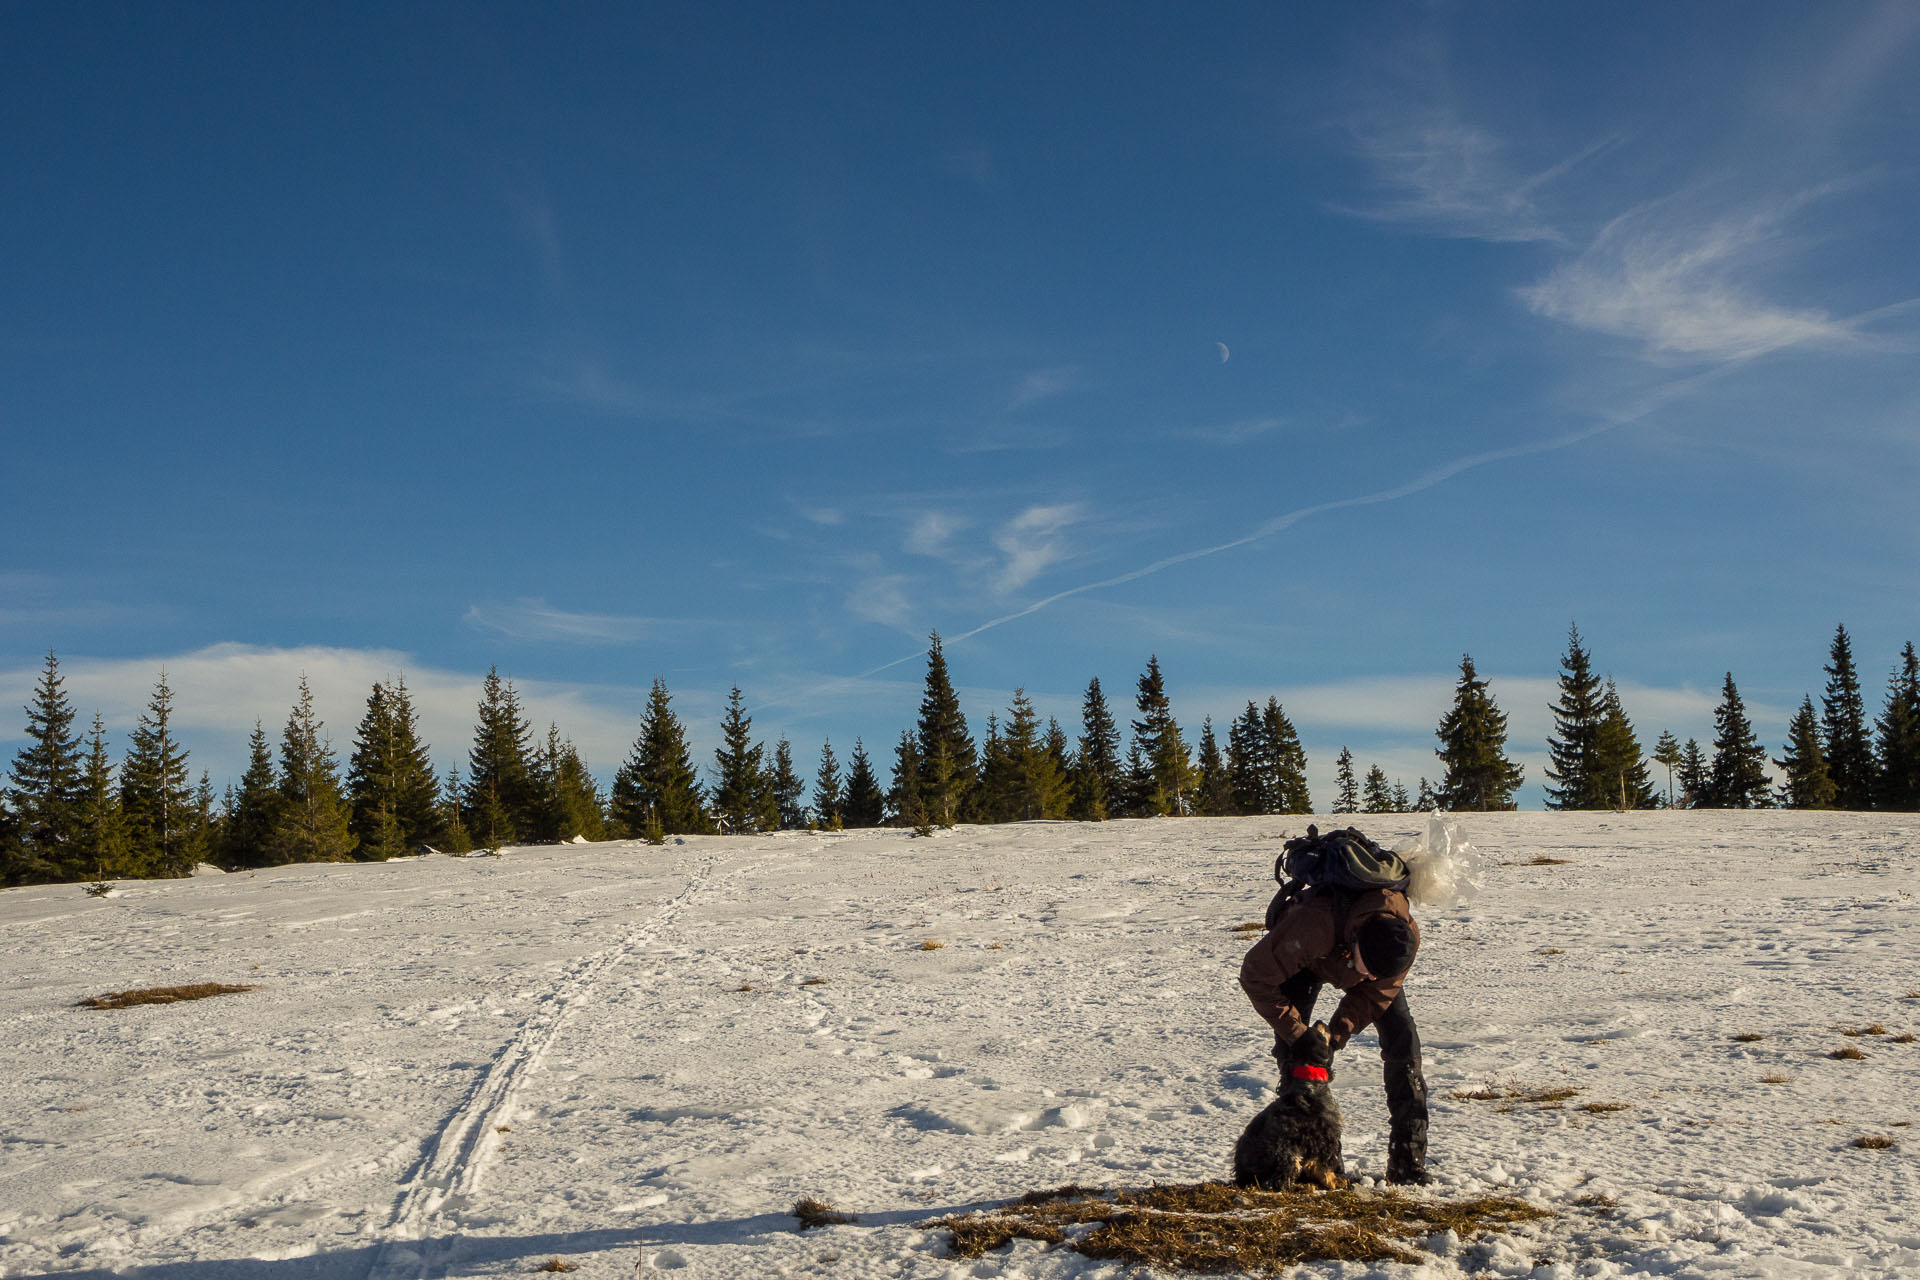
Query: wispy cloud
{"points": [[882, 598], [1680, 288], [1439, 174], [535, 619], [1044, 384], [932, 534], [829, 517], [1029, 544]]}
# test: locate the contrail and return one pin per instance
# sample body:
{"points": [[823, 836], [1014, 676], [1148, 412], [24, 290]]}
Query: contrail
{"points": [[1279, 523]]}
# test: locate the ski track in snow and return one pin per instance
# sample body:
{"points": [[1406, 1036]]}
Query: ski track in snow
{"points": [[466, 1067], [451, 1170]]}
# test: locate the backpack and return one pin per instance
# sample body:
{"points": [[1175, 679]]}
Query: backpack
{"points": [[1341, 859]]}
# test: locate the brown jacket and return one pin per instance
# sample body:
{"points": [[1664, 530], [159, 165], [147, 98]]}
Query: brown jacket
{"points": [[1311, 934]]}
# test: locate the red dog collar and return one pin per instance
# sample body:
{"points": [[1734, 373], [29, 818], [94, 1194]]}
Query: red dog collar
{"points": [[1309, 1073]]}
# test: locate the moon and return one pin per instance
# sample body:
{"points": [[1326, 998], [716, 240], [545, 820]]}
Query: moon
{"points": [[1224, 353]]}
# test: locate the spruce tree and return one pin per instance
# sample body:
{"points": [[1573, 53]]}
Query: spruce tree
{"points": [[499, 804], [827, 789], [314, 820], [100, 847], [1169, 770], [1062, 756], [1215, 786], [1473, 739], [1286, 761], [1097, 762], [1619, 776], [658, 776], [453, 826], [1249, 789], [372, 772], [906, 798], [1377, 793], [1576, 717], [1346, 791], [1897, 785], [1427, 800], [571, 804], [212, 820], [1667, 752], [865, 803], [156, 795], [1035, 787], [742, 792], [254, 815], [1807, 784], [1402, 802], [789, 793], [1693, 776], [1844, 724], [948, 761], [992, 799], [1737, 779], [46, 790]]}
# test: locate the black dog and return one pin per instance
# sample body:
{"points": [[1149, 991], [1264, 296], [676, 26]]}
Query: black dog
{"points": [[1295, 1142]]}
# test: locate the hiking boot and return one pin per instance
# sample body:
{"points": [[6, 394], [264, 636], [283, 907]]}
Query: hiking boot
{"points": [[1407, 1156]]}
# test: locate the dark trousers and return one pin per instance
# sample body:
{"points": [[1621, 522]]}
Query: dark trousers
{"points": [[1400, 1064]]}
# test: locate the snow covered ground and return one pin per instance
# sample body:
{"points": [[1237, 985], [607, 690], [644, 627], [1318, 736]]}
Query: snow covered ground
{"points": [[599, 1053]]}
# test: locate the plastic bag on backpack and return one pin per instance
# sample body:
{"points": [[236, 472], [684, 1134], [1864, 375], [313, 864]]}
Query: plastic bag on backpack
{"points": [[1446, 867]]}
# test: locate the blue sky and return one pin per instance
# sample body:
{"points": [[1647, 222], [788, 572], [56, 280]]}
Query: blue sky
{"points": [[746, 344]]}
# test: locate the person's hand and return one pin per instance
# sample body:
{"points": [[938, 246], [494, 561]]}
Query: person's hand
{"points": [[1314, 1048]]}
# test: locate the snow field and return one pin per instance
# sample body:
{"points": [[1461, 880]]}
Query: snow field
{"points": [[467, 1066]]}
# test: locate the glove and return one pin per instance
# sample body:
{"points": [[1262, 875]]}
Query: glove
{"points": [[1313, 1048]]}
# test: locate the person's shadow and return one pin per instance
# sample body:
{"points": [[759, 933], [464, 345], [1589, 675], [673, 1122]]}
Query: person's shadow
{"points": [[456, 1252]]}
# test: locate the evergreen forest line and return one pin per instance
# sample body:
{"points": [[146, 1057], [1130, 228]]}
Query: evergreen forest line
{"points": [[70, 813]]}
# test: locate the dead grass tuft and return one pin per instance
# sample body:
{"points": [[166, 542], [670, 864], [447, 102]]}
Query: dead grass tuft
{"points": [[1597, 1200], [1603, 1108], [1872, 1029], [163, 995], [1748, 1037], [932, 944], [1250, 926], [818, 1213], [1874, 1142], [1544, 861], [1774, 1077], [1550, 951], [745, 986], [814, 982], [1513, 1094], [1210, 1226], [1905, 1037], [1847, 1053], [557, 1264], [1911, 995]]}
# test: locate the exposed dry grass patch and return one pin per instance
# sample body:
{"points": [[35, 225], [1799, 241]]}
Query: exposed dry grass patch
{"points": [[1603, 1108], [932, 944], [1250, 926], [557, 1264], [1748, 1037], [814, 982], [1872, 1029], [1874, 1142], [818, 1213], [1550, 951], [1847, 1053], [163, 995], [745, 986], [1774, 1077], [1597, 1200], [1210, 1226], [1508, 1097], [1911, 995], [1544, 861], [1905, 1037]]}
